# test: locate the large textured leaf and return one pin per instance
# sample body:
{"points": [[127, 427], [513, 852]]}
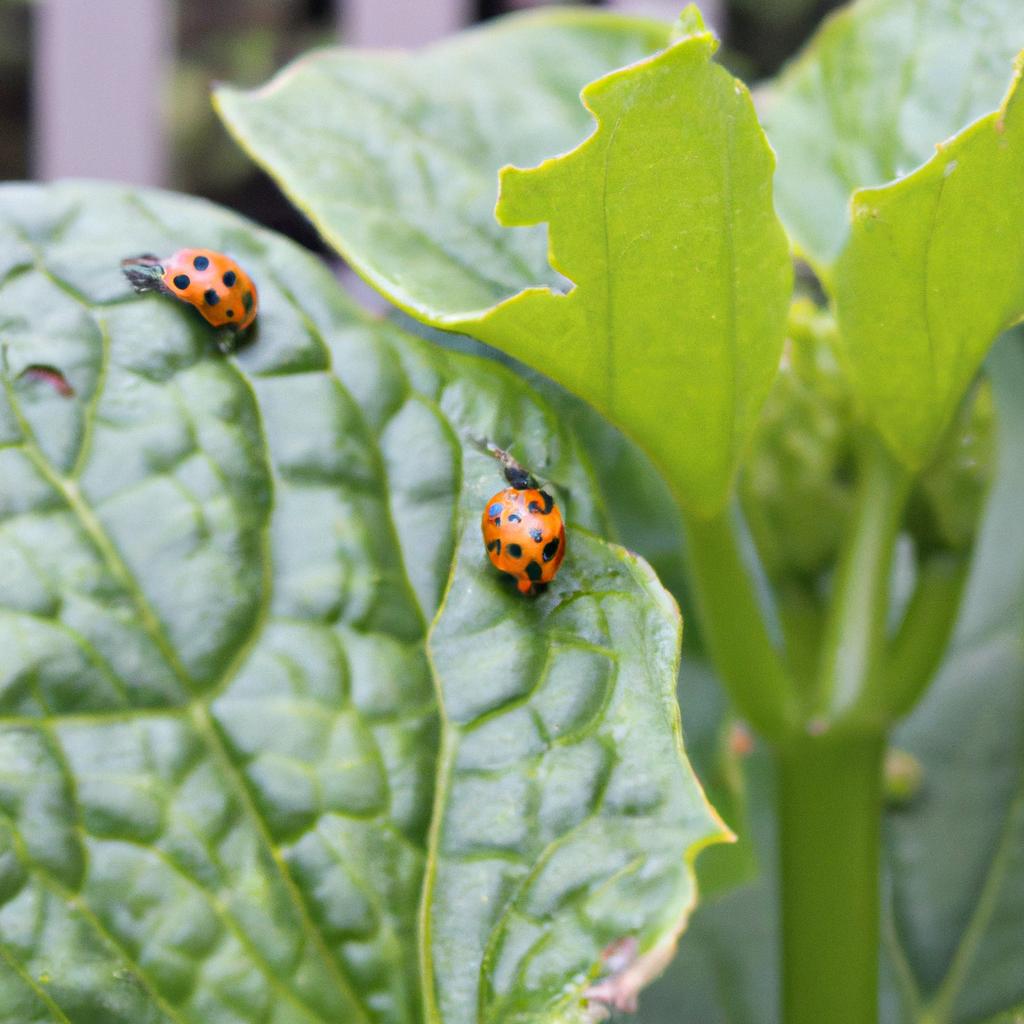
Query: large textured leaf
{"points": [[954, 853], [643, 516], [881, 84], [395, 157], [932, 273], [231, 593], [662, 220]]}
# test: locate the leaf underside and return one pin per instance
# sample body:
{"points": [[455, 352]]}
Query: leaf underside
{"points": [[261, 695], [880, 85], [395, 156], [933, 272]]}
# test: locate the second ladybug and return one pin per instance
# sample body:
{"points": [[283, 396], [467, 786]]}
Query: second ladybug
{"points": [[523, 529], [210, 281]]}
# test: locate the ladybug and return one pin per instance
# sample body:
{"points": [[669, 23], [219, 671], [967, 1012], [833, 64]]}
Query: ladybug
{"points": [[212, 282], [523, 529]]}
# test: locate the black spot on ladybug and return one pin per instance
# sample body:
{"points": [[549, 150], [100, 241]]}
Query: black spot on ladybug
{"points": [[229, 313], [514, 551], [200, 263], [534, 572], [247, 301], [550, 549], [549, 504], [495, 509], [495, 546], [229, 278], [212, 298], [514, 517], [182, 281], [536, 535]]}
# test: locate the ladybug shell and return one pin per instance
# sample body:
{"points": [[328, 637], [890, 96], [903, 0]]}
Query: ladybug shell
{"points": [[214, 283], [525, 536]]}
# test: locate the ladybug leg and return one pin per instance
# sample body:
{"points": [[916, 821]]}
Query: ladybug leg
{"points": [[524, 587], [227, 340], [230, 339]]}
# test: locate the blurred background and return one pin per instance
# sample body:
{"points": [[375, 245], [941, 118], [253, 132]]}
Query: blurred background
{"points": [[119, 89]]}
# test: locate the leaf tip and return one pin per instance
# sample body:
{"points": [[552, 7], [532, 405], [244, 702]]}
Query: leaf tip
{"points": [[689, 23]]}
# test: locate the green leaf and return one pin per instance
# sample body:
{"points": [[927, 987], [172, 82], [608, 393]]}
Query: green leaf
{"points": [[234, 594], [662, 220], [395, 157], [932, 273], [882, 82]]}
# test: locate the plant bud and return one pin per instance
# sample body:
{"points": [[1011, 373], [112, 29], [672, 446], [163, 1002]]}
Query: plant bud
{"points": [[797, 481]]}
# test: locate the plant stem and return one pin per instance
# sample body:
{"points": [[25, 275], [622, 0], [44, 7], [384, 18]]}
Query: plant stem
{"points": [[829, 833], [855, 628], [830, 785], [917, 649], [734, 628]]}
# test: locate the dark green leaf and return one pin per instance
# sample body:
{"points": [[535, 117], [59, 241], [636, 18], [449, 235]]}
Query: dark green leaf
{"points": [[230, 591]]}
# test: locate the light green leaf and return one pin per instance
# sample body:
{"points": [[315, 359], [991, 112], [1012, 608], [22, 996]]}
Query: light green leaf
{"points": [[395, 157], [662, 220], [681, 271], [231, 593], [880, 85], [933, 272]]}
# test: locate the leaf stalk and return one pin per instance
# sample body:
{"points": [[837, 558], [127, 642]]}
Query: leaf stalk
{"points": [[733, 624], [854, 633]]}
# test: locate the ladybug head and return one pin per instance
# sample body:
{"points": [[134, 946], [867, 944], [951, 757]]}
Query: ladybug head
{"points": [[517, 477], [144, 272]]}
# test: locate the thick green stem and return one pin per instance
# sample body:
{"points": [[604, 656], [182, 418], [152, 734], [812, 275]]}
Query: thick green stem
{"points": [[829, 827], [855, 629], [732, 624]]}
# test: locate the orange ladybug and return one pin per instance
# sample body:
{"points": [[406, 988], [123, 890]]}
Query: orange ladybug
{"points": [[523, 529], [212, 282]]}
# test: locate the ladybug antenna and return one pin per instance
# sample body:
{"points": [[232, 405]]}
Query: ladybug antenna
{"points": [[517, 476], [144, 272]]}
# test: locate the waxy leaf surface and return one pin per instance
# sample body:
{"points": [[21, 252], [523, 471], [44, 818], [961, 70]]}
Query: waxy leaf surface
{"points": [[672, 318], [263, 699], [880, 85], [932, 273], [395, 156]]}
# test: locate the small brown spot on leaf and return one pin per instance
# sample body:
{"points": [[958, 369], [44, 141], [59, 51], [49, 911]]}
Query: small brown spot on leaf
{"points": [[48, 375]]}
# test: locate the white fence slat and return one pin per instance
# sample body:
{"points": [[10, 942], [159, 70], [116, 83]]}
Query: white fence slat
{"points": [[98, 75], [400, 23]]}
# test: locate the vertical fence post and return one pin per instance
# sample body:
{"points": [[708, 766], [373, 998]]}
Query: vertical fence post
{"points": [[400, 23], [97, 87]]}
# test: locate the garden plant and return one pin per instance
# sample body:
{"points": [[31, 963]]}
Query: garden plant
{"points": [[277, 742]]}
